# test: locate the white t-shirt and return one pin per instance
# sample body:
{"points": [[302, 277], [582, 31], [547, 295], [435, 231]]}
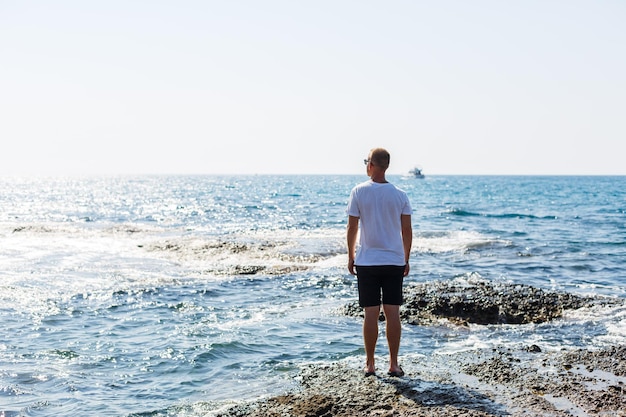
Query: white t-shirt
{"points": [[379, 207]]}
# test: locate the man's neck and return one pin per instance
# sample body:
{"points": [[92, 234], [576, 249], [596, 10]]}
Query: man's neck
{"points": [[378, 178]]}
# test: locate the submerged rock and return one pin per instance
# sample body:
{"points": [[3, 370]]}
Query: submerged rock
{"points": [[483, 302]]}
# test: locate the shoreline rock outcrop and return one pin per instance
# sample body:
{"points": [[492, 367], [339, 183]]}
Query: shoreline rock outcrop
{"points": [[483, 302], [472, 384]]}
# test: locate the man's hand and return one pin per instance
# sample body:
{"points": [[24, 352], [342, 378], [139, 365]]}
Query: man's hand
{"points": [[351, 266]]}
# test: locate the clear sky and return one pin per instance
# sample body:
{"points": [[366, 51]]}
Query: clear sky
{"points": [[308, 87]]}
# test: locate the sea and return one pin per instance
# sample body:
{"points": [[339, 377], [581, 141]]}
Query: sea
{"points": [[182, 295]]}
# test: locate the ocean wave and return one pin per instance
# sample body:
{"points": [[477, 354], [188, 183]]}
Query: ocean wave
{"points": [[454, 241], [265, 252], [465, 213], [55, 228]]}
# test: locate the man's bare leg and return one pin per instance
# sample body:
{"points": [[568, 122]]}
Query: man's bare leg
{"points": [[393, 330], [370, 336]]}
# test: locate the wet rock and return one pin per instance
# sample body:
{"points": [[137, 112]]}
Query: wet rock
{"points": [[569, 381], [483, 302], [476, 383], [336, 390], [533, 348], [612, 359]]}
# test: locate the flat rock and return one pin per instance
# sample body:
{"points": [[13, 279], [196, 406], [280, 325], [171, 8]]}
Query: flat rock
{"points": [[478, 383]]}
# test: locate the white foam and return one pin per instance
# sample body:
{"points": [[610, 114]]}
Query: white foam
{"points": [[453, 241], [45, 266], [276, 251]]}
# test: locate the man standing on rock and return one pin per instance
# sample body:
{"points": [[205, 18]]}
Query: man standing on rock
{"points": [[382, 259]]}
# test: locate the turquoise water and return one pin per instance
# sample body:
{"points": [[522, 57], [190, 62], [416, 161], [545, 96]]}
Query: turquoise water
{"points": [[178, 295]]}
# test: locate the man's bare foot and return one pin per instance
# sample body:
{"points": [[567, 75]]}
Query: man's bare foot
{"points": [[369, 371], [395, 371]]}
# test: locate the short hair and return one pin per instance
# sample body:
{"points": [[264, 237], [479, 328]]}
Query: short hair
{"points": [[380, 157]]}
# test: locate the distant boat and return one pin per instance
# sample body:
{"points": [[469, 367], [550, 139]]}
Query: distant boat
{"points": [[416, 173]]}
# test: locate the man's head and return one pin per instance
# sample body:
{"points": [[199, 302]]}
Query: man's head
{"points": [[379, 157]]}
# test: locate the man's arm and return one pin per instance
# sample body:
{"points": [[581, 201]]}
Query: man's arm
{"points": [[353, 228], [407, 239]]}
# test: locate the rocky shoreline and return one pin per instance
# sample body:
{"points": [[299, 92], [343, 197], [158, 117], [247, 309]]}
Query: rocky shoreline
{"points": [[531, 381]]}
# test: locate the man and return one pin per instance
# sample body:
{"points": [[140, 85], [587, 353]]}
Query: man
{"points": [[382, 259]]}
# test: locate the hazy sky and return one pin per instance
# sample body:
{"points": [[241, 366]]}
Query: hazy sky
{"points": [[290, 87]]}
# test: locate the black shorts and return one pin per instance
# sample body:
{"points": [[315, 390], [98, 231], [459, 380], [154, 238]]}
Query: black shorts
{"points": [[374, 280]]}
